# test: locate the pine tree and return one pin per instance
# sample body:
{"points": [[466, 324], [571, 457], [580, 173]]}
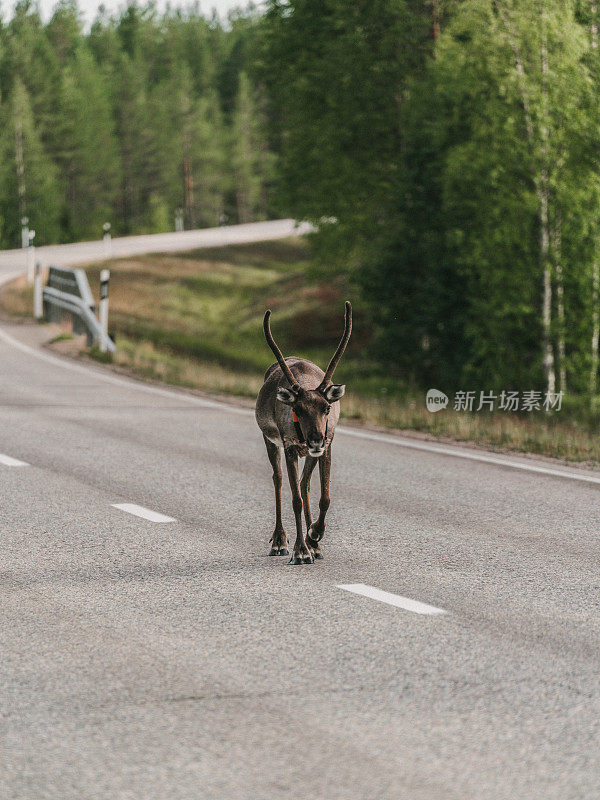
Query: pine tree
{"points": [[209, 162], [137, 134], [86, 152], [28, 178], [131, 114], [30, 57], [337, 76], [251, 159]]}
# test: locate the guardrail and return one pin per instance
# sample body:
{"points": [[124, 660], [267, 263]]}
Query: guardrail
{"points": [[68, 292]]}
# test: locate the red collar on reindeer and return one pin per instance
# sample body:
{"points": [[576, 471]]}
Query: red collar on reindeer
{"points": [[299, 433]]}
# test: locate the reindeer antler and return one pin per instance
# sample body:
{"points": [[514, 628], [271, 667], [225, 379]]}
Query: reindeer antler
{"points": [[340, 350], [271, 342]]}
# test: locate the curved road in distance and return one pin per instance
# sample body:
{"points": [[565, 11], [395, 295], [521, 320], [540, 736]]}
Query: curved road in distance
{"points": [[14, 262], [166, 656]]}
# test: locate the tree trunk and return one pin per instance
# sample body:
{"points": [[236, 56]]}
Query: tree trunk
{"points": [[435, 20], [189, 201], [560, 303], [20, 162], [541, 185], [595, 327], [595, 266], [548, 353]]}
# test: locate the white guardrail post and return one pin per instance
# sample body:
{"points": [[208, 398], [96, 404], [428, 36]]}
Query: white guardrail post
{"points": [[30, 257], [107, 239], [38, 305], [104, 278], [24, 232]]}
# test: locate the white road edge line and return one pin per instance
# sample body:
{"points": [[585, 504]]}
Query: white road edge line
{"points": [[131, 383], [128, 383], [391, 599], [471, 456], [145, 513], [8, 461]]}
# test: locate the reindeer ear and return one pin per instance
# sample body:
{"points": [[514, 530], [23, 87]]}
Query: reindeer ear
{"points": [[334, 392], [286, 396]]}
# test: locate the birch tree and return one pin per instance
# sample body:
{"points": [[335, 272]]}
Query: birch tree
{"points": [[547, 49], [513, 74]]}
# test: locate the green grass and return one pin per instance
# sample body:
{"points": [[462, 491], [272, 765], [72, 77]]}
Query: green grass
{"points": [[62, 337], [208, 305], [97, 354]]}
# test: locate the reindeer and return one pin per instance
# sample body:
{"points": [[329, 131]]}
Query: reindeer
{"points": [[297, 409]]}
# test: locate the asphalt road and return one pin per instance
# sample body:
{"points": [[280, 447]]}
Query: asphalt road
{"points": [[175, 660], [68, 255]]}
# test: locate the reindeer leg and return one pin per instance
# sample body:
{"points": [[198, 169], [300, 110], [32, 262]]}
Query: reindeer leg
{"points": [[317, 529], [301, 554], [309, 464], [279, 538]]}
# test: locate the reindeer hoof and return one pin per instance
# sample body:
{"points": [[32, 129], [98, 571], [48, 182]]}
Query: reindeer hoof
{"points": [[301, 558], [314, 536], [279, 551], [314, 549]]}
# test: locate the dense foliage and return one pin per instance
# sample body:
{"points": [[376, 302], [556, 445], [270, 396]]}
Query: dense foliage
{"points": [[457, 146], [128, 122], [449, 152]]}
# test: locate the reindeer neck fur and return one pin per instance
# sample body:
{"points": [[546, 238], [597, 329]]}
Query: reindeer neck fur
{"points": [[275, 418]]}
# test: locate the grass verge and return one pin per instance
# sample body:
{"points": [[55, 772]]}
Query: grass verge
{"points": [[195, 320]]}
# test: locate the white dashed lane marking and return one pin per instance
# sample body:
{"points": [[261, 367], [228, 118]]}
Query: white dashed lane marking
{"points": [[8, 461], [391, 599], [140, 511]]}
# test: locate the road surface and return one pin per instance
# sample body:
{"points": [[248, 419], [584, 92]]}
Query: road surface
{"points": [[167, 657], [68, 255]]}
